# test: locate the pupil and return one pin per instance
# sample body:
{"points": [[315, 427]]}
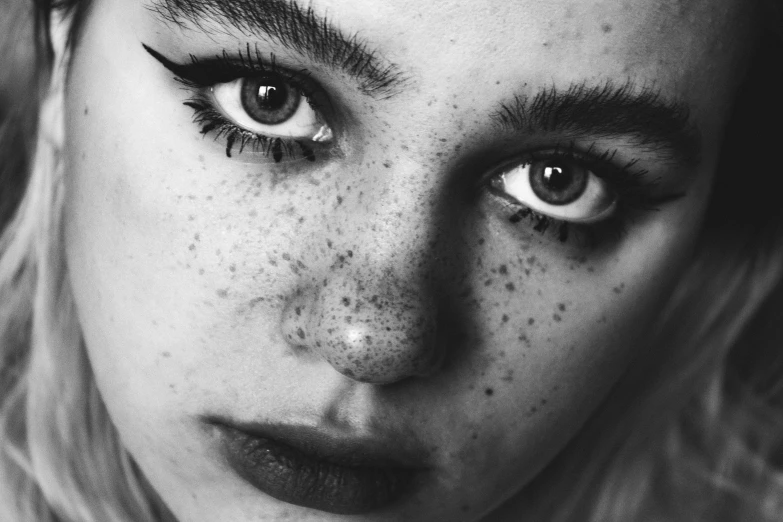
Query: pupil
{"points": [[269, 100], [271, 97], [556, 178], [558, 182]]}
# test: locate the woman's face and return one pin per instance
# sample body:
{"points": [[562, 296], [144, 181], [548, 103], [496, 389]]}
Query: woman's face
{"points": [[380, 258]]}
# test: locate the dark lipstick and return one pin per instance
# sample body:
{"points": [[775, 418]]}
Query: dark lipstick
{"points": [[311, 468]]}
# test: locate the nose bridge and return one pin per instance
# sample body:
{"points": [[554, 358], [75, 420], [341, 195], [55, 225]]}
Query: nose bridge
{"points": [[372, 310], [394, 216]]}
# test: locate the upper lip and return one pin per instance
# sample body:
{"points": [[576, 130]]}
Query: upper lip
{"points": [[376, 450]]}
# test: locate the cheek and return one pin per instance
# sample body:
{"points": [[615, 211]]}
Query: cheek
{"points": [[550, 333]]}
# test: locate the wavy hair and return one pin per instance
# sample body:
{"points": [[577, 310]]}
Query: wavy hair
{"points": [[692, 431]]}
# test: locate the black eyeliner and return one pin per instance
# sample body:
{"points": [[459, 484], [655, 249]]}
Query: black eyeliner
{"points": [[220, 69], [200, 75]]}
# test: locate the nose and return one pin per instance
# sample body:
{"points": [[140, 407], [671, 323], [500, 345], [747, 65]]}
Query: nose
{"points": [[373, 328], [372, 304]]}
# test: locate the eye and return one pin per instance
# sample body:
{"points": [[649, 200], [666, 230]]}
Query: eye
{"points": [[560, 188], [270, 106]]}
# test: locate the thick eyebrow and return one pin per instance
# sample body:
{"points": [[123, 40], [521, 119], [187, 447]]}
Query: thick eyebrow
{"points": [[298, 29], [608, 110]]}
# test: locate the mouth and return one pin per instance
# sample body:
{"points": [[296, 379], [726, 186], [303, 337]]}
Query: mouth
{"points": [[308, 467]]}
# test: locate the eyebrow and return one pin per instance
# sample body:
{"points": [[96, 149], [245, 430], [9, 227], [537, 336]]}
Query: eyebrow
{"points": [[608, 110], [299, 29]]}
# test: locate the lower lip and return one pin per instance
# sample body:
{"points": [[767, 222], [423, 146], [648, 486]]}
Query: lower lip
{"points": [[288, 474]]}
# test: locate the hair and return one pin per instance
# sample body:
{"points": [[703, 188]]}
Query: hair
{"points": [[692, 431]]}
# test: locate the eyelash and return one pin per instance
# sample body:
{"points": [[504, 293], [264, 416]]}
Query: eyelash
{"points": [[200, 75], [636, 194]]}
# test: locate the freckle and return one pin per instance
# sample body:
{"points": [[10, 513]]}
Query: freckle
{"points": [[465, 508], [474, 436], [166, 354], [300, 333], [504, 318], [86, 110], [191, 217], [530, 321], [197, 237], [286, 257], [557, 318], [481, 241], [200, 271], [510, 287], [488, 282], [346, 301], [252, 213], [561, 307], [222, 293], [387, 164], [503, 269], [233, 268], [339, 200], [192, 247], [607, 28], [489, 391]]}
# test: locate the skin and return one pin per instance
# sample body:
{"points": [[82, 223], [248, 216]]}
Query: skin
{"points": [[492, 343]]}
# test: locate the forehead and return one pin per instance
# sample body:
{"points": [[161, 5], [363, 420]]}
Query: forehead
{"points": [[555, 38]]}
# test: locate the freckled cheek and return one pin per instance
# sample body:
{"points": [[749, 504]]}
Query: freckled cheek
{"points": [[546, 330]]}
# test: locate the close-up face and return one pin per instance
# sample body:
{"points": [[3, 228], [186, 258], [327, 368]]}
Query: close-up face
{"points": [[379, 259]]}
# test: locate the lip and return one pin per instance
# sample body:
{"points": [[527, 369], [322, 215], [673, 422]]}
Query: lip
{"points": [[313, 468]]}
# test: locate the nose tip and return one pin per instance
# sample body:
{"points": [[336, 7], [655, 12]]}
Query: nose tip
{"points": [[377, 334]]}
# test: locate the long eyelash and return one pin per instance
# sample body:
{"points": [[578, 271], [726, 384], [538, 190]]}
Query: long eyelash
{"points": [[211, 121], [199, 75], [636, 195]]}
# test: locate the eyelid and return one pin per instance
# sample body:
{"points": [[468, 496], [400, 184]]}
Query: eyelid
{"points": [[203, 73]]}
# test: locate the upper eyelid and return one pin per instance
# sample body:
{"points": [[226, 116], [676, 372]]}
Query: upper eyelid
{"points": [[224, 68]]}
